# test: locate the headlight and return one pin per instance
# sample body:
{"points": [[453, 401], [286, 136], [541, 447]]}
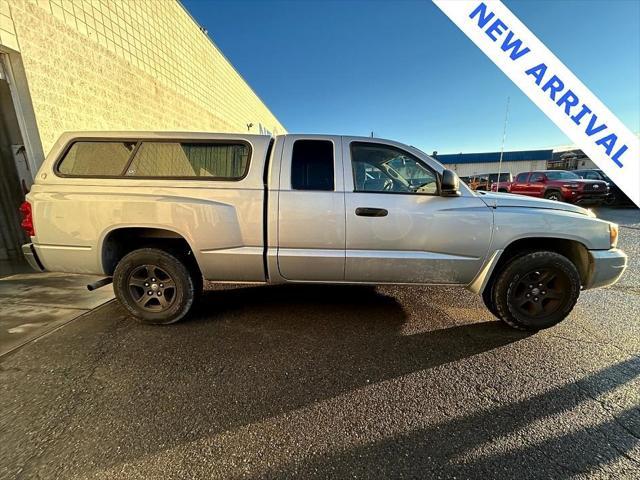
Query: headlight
{"points": [[570, 185], [613, 234]]}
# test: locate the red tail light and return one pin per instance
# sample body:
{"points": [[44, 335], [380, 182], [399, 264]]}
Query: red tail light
{"points": [[27, 219]]}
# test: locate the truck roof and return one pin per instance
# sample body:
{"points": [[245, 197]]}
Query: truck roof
{"points": [[126, 134]]}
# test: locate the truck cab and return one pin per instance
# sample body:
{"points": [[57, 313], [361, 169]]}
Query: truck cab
{"points": [[354, 209]]}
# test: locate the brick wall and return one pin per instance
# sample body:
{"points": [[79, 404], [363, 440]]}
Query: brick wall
{"points": [[126, 65]]}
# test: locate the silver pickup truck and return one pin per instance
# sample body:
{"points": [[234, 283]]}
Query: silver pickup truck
{"points": [[158, 212]]}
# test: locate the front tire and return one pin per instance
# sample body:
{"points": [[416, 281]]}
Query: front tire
{"points": [[536, 291], [611, 200], [553, 195], [487, 298], [154, 286]]}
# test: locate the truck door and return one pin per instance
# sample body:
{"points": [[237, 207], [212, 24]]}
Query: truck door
{"points": [[536, 184], [311, 228], [399, 229], [520, 183]]}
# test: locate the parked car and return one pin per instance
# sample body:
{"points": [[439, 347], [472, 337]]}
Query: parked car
{"points": [[558, 185], [484, 181], [158, 212], [615, 196], [502, 187]]}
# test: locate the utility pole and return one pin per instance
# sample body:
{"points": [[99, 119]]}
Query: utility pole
{"points": [[504, 137]]}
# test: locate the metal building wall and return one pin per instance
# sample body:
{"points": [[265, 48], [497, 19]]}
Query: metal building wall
{"points": [[467, 169]]}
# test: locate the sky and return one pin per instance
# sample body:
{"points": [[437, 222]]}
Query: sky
{"points": [[403, 70]]}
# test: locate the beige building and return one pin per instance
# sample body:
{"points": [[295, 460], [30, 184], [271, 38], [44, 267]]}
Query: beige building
{"points": [[514, 162], [107, 65]]}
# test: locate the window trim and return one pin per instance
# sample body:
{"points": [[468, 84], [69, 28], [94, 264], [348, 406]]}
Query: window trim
{"points": [[139, 141], [393, 147], [333, 161]]}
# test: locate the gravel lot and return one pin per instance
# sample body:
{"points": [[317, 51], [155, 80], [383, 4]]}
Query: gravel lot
{"points": [[328, 382]]}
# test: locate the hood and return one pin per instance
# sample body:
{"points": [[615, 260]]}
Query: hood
{"points": [[581, 180], [496, 200], [586, 181]]}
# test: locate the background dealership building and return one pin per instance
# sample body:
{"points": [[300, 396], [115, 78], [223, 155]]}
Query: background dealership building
{"points": [[106, 65], [469, 164]]}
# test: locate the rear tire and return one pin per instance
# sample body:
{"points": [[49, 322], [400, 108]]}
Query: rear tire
{"points": [[536, 290], [154, 286]]}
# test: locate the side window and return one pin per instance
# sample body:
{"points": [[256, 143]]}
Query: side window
{"points": [[521, 178], [536, 178], [221, 161], [96, 159], [381, 168], [312, 165]]}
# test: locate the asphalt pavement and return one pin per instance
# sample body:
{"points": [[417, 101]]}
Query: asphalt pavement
{"points": [[332, 382]]}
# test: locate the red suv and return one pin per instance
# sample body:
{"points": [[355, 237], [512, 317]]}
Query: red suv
{"points": [[559, 185]]}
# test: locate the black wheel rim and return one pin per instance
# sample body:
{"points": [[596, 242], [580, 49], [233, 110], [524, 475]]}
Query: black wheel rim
{"points": [[554, 196], [540, 293], [152, 288]]}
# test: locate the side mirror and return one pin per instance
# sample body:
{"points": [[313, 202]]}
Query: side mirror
{"points": [[449, 184]]}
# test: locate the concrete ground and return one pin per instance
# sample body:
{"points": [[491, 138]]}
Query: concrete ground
{"points": [[332, 382], [13, 266], [32, 304]]}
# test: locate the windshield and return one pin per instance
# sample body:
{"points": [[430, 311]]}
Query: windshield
{"points": [[561, 175]]}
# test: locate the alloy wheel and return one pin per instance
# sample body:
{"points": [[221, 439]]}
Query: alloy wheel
{"points": [[540, 293], [152, 288]]}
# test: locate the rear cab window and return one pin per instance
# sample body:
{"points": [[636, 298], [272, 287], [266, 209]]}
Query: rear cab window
{"points": [[228, 160], [312, 165], [522, 177]]}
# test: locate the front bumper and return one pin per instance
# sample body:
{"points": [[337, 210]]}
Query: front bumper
{"points": [[587, 198], [31, 257], [605, 267]]}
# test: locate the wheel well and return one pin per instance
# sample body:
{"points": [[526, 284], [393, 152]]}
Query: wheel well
{"points": [[122, 241], [572, 249]]}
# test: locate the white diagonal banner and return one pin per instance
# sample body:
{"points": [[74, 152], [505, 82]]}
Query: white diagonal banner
{"points": [[552, 87]]}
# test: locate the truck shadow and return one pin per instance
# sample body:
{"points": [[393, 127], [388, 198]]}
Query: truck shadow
{"points": [[270, 355], [252, 353]]}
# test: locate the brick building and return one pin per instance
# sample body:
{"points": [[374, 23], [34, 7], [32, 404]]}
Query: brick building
{"points": [[107, 65]]}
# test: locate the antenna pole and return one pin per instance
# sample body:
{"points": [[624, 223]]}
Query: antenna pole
{"points": [[504, 137]]}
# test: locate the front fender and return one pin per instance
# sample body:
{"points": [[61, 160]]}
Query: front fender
{"points": [[518, 223]]}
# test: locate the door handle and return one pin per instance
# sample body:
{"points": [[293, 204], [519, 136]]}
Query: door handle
{"points": [[371, 212]]}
